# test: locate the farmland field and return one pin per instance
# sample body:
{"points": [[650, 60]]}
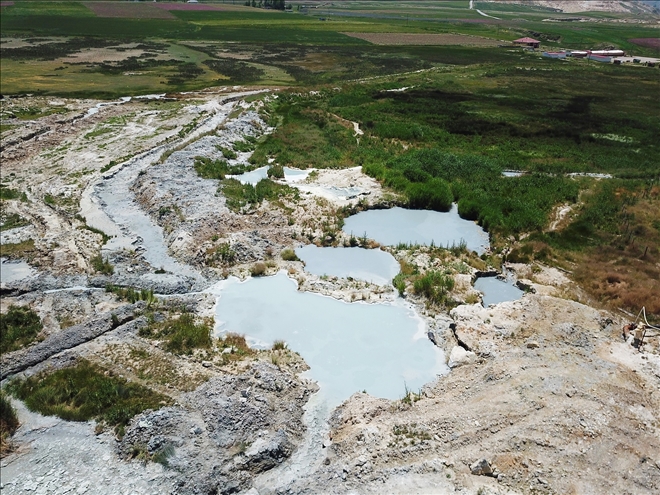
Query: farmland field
{"points": [[128, 10], [423, 39]]}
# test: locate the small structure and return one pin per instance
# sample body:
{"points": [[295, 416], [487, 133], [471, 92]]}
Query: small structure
{"points": [[527, 42]]}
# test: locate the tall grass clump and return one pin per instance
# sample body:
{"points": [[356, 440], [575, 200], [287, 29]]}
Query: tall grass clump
{"points": [[83, 392], [19, 326], [181, 335], [289, 255], [434, 286], [132, 295]]}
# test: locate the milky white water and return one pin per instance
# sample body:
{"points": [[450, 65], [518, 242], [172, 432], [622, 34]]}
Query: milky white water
{"points": [[496, 291], [399, 225], [371, 265], [350, 347], [11, 271]]}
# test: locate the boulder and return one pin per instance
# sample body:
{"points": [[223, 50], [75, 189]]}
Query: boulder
{"points": [[459, 357], [481, 468]]}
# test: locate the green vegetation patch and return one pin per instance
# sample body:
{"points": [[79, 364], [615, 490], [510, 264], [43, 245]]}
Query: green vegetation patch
{"points": [[241, 195], [218, 169], [435, 286], [102, 265], [8, 423], [7, 193], [86, 391], [19, 326], [23, 249], [13, 221], [181, 335]]}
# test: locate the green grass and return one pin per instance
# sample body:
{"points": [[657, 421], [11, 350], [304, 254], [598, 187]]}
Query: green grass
{"points": [[86, 391], [289, 255], [132, 295], [19, 326], [181, 335], [240, 195], [217, 169], [434, 286], [18, 250], [7, 193]]}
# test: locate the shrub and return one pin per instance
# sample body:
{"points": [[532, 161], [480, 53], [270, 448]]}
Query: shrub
{"points": [[86, 391], [258, 269], [279, 345], [289, 255], [18, 327]]}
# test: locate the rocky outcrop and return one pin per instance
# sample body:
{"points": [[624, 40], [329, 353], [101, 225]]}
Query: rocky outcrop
{"points": [[225, 432]]}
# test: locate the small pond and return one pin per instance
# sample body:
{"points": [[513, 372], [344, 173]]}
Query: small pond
{"points": [[11, 271], [254, 176], [496, 291], [371, 265], [350, 347], [399, 225]]}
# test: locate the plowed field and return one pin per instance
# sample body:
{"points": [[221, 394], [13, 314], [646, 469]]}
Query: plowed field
{"points": [[647, 42]]}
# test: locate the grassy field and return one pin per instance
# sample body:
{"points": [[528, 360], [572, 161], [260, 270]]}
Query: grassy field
{"points": [[282, 47]]}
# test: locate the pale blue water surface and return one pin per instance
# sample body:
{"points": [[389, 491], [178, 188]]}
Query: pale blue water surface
{"points": [[350, 347], [399, 225], [372, 265]]}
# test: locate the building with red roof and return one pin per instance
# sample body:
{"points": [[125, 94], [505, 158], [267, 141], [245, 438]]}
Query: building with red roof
{"points": [[527, 42]]}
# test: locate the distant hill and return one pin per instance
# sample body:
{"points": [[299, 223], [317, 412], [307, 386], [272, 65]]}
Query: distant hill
{"points": [[573, 6]]}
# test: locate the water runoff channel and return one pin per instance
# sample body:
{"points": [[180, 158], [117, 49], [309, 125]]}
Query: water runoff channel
{"points": [[380, 348]]}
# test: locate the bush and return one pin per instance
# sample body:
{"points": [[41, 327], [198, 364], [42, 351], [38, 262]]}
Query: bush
{"points": [[86, 391], [258, 269], [18, 327], [279, 345], [289, 255]]}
